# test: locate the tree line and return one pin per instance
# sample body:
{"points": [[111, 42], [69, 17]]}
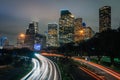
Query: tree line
{"points": [[106, 43], [8, 56]]}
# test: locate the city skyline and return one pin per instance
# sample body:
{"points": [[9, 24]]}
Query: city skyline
{"points": [[16, 15]]}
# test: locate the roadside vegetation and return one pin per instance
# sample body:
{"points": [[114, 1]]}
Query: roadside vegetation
{"points": [[64, 66], [17, 63], [70, 69]]}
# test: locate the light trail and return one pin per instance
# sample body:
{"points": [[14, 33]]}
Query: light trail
{"points": [[31, 72], [109, 71], [44, 69], [50, 71], [97, 77]]}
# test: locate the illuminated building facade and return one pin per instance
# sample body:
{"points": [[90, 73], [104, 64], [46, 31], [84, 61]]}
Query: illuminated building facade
{"points": [[33, 39], [77, 28], [30, 37], [85, 33], [66, 27], [52, 35], [20, 40], [88, 33], [81, 32], [104, 18], [3, 41], [40, 40]]}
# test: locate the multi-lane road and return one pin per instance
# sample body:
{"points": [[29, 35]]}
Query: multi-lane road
{"points": [[100, 71], [108, 73], [44, 69]]}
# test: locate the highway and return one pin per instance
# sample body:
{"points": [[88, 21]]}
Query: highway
{"points": [[112, 74], [100, 72], [44, 69]]}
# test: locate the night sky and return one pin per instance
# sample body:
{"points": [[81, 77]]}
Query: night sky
{"points": [[15, 15]]}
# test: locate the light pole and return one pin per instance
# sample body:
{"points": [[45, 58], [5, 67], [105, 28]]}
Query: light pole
{"points": [[22, 36], [82, 35], [81, 32]]}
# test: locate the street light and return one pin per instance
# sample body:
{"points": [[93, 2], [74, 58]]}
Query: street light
{"points": [[82, 35], [81, 32], [20, 40], [22, 35]]}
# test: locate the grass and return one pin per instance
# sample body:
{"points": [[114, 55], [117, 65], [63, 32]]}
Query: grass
{"points": [[22, 73], [105, 61], [64, 71], [64, 66]]}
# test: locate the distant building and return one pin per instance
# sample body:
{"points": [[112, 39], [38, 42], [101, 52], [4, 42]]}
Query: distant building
{"points": [[3, 41], [30, 38], [6, 42], [40, 39], [20, 40], [88, 33], [85, 33], [66, 27], [52, 35], [104, 18], [77, 27], [81, 32], [9, 47]]}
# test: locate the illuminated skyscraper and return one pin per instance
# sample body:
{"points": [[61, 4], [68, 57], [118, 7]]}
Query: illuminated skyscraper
{"points": [[66, 27], [31, 32], [33, 28], [104, 18], [88, 33], [77, 27], [52, 35], [81, 31], [33, 39]]}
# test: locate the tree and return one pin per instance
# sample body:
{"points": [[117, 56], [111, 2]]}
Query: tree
{"points": [[110, 43]]}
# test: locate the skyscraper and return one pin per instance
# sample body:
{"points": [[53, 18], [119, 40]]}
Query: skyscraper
{"points": [[104, 18], [77, 28], [66, 27], [52, 35], [33, 28], [81, 31], [88, 33], [31, 32]]}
